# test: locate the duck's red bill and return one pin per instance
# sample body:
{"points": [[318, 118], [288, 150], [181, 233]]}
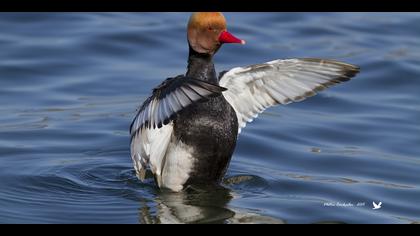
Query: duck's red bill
{"points": [[226, 37]]}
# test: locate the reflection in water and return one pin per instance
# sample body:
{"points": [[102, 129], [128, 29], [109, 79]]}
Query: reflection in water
{"points": [[197, 205]]}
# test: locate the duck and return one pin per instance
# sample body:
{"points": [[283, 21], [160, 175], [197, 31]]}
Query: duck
{"points": [[186, 131]]}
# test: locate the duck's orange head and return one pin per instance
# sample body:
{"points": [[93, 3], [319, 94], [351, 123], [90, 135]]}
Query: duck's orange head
{"points": [[207, 32]]}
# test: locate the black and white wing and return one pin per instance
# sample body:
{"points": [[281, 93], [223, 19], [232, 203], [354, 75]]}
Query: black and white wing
{"points": [[169, 98], [152, 128], [252, 89]]}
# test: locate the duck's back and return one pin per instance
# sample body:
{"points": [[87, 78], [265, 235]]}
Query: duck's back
{"points": [[209, 130]]}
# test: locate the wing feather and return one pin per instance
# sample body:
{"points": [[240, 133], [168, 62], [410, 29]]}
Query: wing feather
{"points": [[252, 89], [169, 98]]}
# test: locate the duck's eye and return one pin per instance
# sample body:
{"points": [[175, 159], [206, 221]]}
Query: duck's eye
{"points": [[210, 28]]}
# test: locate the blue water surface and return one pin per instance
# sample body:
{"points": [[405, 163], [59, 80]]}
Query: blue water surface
{"points": [[70, 84]]}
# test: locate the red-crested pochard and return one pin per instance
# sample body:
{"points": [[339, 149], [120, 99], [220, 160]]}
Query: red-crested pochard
{"points": [[186, 131]]}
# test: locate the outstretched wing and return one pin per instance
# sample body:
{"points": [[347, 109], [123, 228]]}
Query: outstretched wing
{"points": [[252, 89], [152, 128]]}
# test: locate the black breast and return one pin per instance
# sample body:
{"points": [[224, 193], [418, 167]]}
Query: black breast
{"points": [[211, 128]]}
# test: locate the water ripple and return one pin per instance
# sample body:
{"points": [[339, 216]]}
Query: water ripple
{"points": [[71, 82]]}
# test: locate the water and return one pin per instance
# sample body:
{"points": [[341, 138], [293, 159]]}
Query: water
{"points": [[70, 84]]}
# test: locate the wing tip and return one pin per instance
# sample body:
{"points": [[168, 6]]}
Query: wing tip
{"points": [[215, 88], [347, 71], [141, 174], [351, 68]]}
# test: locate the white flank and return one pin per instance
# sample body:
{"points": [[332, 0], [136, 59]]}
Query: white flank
{"points": [[169, 159], [179, 162]]}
